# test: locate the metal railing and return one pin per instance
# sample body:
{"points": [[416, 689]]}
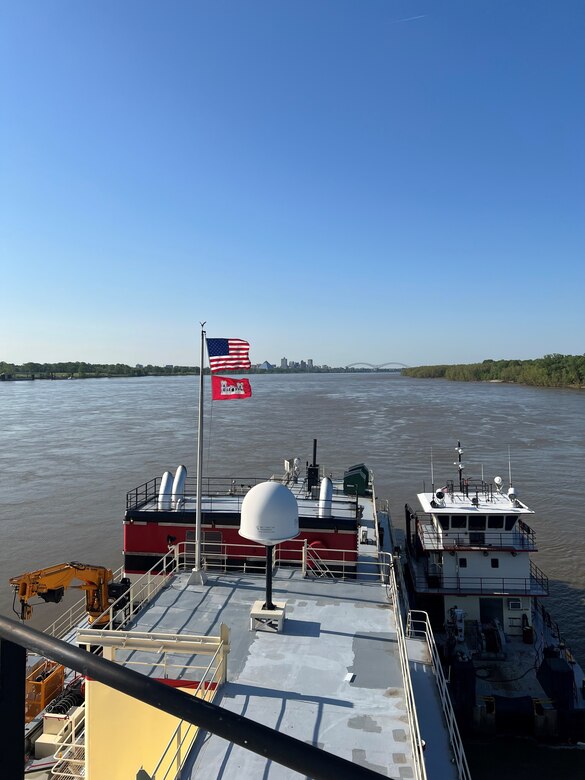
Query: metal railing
{"points": [[539, 577], [419, 626], [233, 727], [121, 611], [419, 767], [342, 565], [217, 489], [225, 557], [436, 582], [70, 752], [182, 739], [312, 562], [125, 606], [212, 486], [522, 538], [246, 557]]}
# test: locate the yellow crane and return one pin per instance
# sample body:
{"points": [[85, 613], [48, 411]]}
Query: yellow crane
{"points": [[50, 585]]}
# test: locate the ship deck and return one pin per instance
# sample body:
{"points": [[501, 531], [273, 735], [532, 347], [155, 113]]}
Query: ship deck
{"points": [[334, 676], [331, 678], [226, 497]]}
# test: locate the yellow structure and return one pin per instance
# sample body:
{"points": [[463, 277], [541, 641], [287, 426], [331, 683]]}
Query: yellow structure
{"points": [[124, 735]]}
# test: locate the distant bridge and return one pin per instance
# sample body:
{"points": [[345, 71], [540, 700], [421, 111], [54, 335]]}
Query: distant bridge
{"points": [[380, 365]]}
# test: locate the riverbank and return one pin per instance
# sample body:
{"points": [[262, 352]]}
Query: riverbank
{"points": [[18, 375], [61, 377], [559, 371]]}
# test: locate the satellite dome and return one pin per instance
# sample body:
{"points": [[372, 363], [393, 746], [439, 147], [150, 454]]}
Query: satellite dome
{"points": [[270, 514]]}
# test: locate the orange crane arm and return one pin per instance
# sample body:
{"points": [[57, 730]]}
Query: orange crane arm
{"points": [[50, 584]]}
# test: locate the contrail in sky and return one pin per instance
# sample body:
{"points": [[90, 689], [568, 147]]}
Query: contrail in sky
{"points": [[408, 19]]}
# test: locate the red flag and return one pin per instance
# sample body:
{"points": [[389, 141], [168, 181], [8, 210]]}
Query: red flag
{"points": [[225, 389]]}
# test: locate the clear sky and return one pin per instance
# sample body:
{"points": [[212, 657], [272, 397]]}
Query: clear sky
{"points": [[340, 180]]}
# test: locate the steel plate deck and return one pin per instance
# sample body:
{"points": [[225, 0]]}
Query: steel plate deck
{"points": [[332, 678]]}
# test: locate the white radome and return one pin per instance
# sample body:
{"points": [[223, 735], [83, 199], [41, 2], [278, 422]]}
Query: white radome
{"points": [[270, 514]]}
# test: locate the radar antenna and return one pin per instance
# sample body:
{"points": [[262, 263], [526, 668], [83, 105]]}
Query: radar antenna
{"points": [[459, 465], [512, 495]]}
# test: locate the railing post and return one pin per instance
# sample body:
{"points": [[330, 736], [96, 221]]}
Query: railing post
{"points": [[12, 693], [304, 557], [224, 636]]}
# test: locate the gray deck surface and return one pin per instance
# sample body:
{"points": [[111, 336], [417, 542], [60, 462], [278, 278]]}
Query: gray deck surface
{"points": [[296, 681], [331, 678], [430, 716]]}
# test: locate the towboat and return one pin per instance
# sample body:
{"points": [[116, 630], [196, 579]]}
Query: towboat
{"points": [[468, 566]]}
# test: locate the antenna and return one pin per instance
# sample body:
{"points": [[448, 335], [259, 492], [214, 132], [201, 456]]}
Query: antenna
{"points": [[432, 472], [509, 466], [459, 465]]}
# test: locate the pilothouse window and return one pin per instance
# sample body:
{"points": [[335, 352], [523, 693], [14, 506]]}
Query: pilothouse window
{"points": [[495, 522], [510, 522], [476, 523], [458, 521]]}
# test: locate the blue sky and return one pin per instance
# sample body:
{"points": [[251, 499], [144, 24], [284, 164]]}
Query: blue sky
{"points": [[375, 180]]}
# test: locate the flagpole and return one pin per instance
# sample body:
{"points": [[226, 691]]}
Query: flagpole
{"points": [[198, 574]]}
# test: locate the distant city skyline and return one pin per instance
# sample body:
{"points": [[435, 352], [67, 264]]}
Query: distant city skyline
{"points": [[352, 181], [302, 364]]}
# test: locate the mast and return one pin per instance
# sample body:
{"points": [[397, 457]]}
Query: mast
{"points": [[432, 473], [459, 465], [198, 574]]}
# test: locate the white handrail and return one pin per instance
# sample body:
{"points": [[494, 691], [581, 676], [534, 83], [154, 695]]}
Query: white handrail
{"points": [[70, 752], [206, 678], [148, 585], [417, 745], [418, 625]]}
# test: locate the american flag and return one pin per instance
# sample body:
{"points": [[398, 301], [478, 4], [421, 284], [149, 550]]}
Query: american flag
{"points": [[227, 354]]}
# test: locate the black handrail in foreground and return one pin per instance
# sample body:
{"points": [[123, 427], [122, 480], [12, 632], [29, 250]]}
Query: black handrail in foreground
{"points": [[273, 745]]}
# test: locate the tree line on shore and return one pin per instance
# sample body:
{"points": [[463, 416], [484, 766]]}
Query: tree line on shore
{"points": [[81, 370], [549, 371]]}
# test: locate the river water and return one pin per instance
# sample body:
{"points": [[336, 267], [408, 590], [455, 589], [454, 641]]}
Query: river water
{"points": [[70, 450]]}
